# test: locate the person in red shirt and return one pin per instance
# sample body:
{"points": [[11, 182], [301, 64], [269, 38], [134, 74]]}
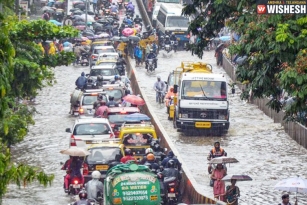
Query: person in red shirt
{"points": [[102, 110], [128, 156]]}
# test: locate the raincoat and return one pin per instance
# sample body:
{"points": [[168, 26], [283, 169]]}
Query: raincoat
{"points": [[93, 187], [52, 49], [41, 47]]}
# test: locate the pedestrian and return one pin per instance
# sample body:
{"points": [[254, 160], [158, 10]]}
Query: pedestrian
{"points": [[286, 201], [232, 193], [219, 186]]}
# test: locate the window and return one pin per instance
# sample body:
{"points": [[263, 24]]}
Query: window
{"points": [[102, 154], [117, 94], [104, 50], [90, 99], [177, 21], [201, 88], [137, 138], [103, 72], [161, 17], [91, 129], [117, 118]]}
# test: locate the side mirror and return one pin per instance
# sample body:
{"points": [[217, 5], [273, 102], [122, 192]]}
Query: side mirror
{"points": [[68, 130], [175, 88], [165, 149]]}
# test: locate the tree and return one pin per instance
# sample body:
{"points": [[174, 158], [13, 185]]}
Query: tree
{"points": [[272, 43]]}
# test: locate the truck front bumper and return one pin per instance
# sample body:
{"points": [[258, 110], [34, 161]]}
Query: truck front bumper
{"points": [[192, 124]]}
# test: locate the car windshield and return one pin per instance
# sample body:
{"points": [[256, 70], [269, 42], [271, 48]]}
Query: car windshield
{"points": [[91, 129], [177, 21], [90, 99], [103, 72], [117, 94], [137, 139], [116, 118], [102, 155], [104, 50], [204, 89]]}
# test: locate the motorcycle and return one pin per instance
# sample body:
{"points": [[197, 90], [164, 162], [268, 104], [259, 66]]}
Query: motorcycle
{"points": [[172, 191], [150, 65], [84, 59], [75, 186], [168, 48], [74, 110], [174, 45]]}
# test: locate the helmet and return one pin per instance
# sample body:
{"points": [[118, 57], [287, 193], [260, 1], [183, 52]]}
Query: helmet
{"points": [[167, 36], [82, 195], [150, 157], [171, 164], [120, 55], [128, 152], [90, 80], [96, 175], [148, 150]]}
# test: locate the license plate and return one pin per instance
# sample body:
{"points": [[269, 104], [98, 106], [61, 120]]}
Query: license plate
{"points": [[203, 124], [102, 167], [76, 113], [171, 195], [76, 186]]}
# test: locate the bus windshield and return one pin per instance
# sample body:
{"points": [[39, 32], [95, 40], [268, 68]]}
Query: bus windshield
{"points": [[177, 21], [203, 89]]}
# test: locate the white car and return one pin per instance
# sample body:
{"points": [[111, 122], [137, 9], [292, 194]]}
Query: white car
{"points": [[106, 70], [87, 131]]}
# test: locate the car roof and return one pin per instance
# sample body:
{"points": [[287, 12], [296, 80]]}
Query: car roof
{"points": [[108, 53], [127, 109], [91, 120], [102, 47], [103, 66], [138, 127], [86, 91]]}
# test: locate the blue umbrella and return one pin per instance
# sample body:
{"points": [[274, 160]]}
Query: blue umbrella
{"points": [[225, 38], [56, 22], [137, 117]]}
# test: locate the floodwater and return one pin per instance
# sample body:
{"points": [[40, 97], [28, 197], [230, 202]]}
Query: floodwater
{"points": [[265, 152]]}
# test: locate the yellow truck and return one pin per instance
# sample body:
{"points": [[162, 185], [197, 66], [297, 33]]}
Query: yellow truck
{"points": [[201, 101]]}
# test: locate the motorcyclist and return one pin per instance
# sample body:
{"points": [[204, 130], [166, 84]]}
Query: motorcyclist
{"points": [[97, 103], [159, 87], [216, 151], [102, 110], [99, 82], [167, 40], [153, 56], [94, 187], [130, 7], [73, 170], [112, 103], [121, 60], [147, 152], [129, 21], [171, 156], [89, 84], [78, 50], [137, 20], [173, 37], [81, 81], [151, 163], [114, 8], [128, 156], [83, 199]]}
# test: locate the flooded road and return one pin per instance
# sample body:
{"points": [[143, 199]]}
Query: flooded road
{"points": [[265, 152]]}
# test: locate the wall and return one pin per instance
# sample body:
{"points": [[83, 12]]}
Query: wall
{"points": [[295, 130]]}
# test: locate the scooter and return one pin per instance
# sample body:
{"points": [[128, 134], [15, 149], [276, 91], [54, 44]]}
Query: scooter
{"points": [[150, 65]]}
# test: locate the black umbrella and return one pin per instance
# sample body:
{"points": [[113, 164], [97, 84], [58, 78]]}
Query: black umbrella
{"points": [[134, 38]]}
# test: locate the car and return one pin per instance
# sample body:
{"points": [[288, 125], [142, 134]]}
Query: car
{"points": [[107, 71], [102, 154], [87, 131], [107, 57], [116, 116], [115, 90], [98, 50], [137, 137], [100, 42], [88, 99]]}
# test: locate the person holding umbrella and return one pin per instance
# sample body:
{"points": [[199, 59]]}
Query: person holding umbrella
{"points": [[232, 193], [286, 201], [219, 186]]}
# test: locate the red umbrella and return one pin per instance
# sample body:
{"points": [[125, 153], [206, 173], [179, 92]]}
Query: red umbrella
{"points": [[135, 100], [127, 32]]}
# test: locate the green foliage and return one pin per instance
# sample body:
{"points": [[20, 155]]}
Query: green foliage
{"points": [[269, 41], [19, 174]]}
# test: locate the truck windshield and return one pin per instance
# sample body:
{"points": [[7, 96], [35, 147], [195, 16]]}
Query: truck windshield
{"points": [[177, 21], [203, 89]]}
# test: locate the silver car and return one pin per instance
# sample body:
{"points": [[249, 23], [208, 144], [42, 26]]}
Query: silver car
{"points": [[106, 70], [88, 99]]}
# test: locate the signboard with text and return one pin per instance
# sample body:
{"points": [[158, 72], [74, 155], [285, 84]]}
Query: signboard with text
{"points": [[24, 6], [281, 7], [136, 188]]}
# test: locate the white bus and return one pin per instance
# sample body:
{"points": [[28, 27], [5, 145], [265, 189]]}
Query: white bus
{"points": [[170, 19]]}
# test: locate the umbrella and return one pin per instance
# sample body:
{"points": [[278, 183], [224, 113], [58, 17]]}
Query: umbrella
{"points": [[293, 184], [127, 32], [133, 99], [75, 151], [89, 18], [48, 9], [225, 38], [223, 160], [237, 177], [137, 117], [56, 22]]}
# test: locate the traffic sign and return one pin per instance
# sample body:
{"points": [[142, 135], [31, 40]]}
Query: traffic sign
{"points": [[68, 22]]}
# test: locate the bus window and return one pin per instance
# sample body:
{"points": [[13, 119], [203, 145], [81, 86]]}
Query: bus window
{"points": [[161, 17], [177, 21]]}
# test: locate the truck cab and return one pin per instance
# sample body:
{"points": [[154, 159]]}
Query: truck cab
{"points": [[201, 101]]}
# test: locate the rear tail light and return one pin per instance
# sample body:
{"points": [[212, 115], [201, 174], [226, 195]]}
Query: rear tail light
{"points": [[73, 141], [188, 36], [85, 169], [94, 57], [172, 190], [76, 182], [81, 110]]}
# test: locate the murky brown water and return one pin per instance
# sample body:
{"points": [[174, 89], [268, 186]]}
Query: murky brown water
{"points": [[265, 151]]}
